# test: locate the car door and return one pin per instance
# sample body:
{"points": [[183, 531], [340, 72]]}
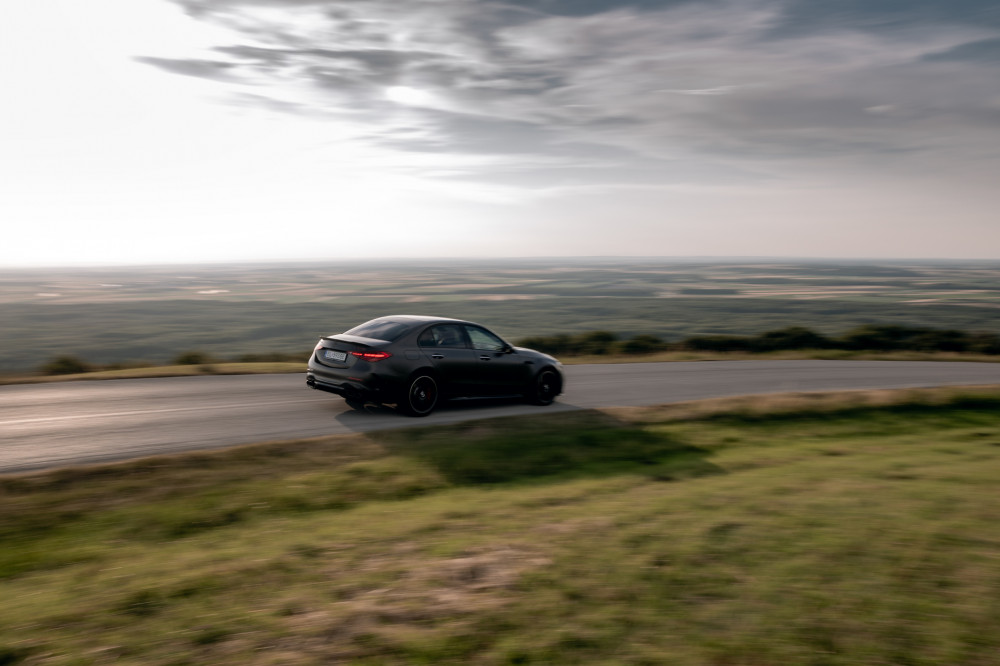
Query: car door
{"points": [[502, 371], [447, 348]]}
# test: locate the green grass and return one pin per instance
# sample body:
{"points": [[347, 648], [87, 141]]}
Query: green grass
{"points": [[857, 528]]}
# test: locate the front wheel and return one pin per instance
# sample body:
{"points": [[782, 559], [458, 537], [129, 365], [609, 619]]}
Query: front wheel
{"points": [[421, 396], [544, 388]]}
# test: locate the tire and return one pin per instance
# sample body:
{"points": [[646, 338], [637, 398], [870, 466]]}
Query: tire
{"points": [[544, 387], [421, 396]]}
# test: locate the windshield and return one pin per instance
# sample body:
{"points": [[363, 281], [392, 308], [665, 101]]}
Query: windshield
{"points": [[379, 329]]}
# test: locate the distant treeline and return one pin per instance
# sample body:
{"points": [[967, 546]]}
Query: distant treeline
{"points": [[862, 338], [68, 364]]}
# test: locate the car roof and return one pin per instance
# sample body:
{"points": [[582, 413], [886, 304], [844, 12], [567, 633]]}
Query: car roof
{"points": [[420, 319]]}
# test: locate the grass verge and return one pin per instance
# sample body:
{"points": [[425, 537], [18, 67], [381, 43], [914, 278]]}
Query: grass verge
{"points": [[819, 529], [161, 371], [661, 357], [789, 355]]}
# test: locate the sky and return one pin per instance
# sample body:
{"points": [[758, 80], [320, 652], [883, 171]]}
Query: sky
{"points": [[179, 131]]}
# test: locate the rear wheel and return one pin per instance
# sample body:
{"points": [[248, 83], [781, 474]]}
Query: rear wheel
{"points": [[421, 396], [545, 387]]}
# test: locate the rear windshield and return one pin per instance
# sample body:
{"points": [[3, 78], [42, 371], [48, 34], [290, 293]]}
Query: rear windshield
{"points": [[379, 329]]}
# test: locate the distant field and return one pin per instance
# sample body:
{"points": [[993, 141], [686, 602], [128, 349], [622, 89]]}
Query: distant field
{"points": [[833, 530], [131, 315]]}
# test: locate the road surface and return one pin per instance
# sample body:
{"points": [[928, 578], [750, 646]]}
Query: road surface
{"points": [[69, 423]]}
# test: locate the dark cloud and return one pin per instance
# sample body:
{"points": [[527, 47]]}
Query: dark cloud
{"points": [[984, 51], [810, 16], [537, 7], [335, 68], [375, 59], [644, 82], [591, 7]]}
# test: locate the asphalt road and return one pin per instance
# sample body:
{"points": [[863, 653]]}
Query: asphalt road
{"points": [[52, 425]]}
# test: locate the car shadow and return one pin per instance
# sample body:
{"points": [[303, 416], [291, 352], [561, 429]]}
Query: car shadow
{"points": [[561, 443], [377, 417]]}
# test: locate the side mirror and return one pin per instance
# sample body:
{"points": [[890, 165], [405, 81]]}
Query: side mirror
{"points": [[507, 349]]}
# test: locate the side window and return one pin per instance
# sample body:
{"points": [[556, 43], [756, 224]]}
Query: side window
{"points": [[427, 338], [445, 335], [484, 340]]}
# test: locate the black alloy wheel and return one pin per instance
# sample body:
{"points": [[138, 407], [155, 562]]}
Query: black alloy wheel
{"points": [[545, 388], [421, 396]]}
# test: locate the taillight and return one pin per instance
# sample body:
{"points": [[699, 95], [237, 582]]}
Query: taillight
{"points": [[372, 356], [319, 345]]}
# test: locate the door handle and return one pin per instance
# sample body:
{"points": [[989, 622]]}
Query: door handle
{"points": [[437, 357], [484, 358]]}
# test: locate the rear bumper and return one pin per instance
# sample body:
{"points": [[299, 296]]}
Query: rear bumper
{"points": [[346, 389]]}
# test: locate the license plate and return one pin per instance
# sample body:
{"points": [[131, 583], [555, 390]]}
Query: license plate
{"points": [[331, 355]]}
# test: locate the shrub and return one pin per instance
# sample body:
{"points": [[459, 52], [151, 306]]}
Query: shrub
{"points": [[863, 338], [551, 344], [643, 344], [943, 340], [886, 338], [793, 337], [878, 338], [191, 358], [984, 343], [66, 365], [597, 342], [721, 343]]}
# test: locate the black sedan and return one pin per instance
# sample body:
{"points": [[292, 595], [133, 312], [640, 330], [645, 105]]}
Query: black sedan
{"points": [[414, 362]]}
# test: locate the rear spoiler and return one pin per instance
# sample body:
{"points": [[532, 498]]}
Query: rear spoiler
{"points": [[355, 339]]}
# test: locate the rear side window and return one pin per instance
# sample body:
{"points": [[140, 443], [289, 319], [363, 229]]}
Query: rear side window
{"points": [[380, 329]]}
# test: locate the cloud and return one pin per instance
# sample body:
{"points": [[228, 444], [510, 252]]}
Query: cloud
{"points": [[986, 51], [206, 69], [807, 17], [719, 90], [737, 87]]}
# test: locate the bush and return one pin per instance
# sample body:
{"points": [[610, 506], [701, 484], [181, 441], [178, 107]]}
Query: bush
{"points": [[719, 343], [909, 338], [984, 343], [793, 337], [863, 338], [191, 358], [945, 340], [597, 343], [66, 365], [878, 338], [643, 344], [551, 344]]}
